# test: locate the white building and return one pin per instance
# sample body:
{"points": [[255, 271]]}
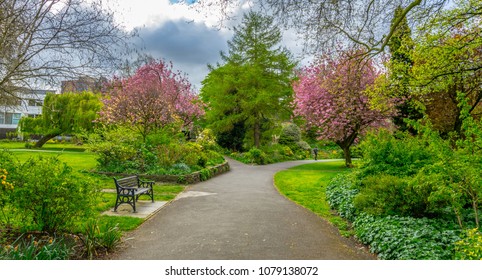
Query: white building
{"points": [[29, 104]]}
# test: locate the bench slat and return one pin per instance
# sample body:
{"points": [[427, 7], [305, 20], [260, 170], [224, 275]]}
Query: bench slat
{"points": [[130, 188]]}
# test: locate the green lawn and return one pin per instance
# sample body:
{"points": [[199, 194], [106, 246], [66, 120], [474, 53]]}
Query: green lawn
{"points": [[79, 160], [47, 147], [306, 185]]}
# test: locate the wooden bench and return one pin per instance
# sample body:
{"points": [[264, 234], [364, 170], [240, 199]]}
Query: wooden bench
{"points": [[130, 188]]}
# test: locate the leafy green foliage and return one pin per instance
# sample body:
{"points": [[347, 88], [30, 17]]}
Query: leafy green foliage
{"points": [[64, 113], [392, 237], [470, 246], [407, 238], [122, 152], [44, 248], [48, 195], [391, 195], [400, 155], [97, 237], [290, 134], [340, 194], [252, 89]]}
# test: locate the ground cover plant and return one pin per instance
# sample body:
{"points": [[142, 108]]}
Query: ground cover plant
{"points": [[415, 197]]}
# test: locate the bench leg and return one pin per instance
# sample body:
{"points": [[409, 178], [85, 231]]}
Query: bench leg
{"points": [[117, 203], [131, 200]]}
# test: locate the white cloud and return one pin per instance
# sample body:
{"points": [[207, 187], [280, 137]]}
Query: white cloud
{"points": [[151, 13], [187, 35]]}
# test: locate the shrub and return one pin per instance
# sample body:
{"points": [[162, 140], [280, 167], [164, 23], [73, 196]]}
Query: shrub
{"points": [[290, 134], [302, 145], [470, 246], [256, 156], [287, 151], [390, 195], [392, 237], [202, 160], [103, 237], [5, 188], [180, 169], [205, 174], [207, 140], [49, 196], [401, 155]]}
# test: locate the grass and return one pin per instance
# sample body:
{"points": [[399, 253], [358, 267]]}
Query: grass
{"points": [[66, 147], [306, 185], [71, 154], [81, 161]]}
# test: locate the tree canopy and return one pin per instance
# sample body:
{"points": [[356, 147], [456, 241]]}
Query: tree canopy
{"points": [[330, 96], [253, 86], [66, 113], [154, 97], [447, 65], [324, 24], [42, 42]]}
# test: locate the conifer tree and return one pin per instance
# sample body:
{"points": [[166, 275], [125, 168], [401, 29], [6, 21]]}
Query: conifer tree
{"points": [[252, 87]]}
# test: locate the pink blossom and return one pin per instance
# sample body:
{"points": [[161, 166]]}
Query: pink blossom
{"points": [[153, 97]]}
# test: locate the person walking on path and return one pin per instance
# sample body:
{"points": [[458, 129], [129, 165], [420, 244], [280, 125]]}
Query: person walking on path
{"points": [[315, 152]]}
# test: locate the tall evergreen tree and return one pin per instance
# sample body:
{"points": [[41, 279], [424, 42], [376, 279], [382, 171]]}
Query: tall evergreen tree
{"points": [[252, 87], [401, 47]]}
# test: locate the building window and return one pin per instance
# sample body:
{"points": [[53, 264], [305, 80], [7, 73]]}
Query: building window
{"points": [[35, 103], [2, 118], [12, 118]]}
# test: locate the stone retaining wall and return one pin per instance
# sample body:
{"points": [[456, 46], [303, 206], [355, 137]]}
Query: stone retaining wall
{"points": [[193, 178]]}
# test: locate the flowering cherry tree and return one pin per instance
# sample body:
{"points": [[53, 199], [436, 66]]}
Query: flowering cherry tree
{"points": [[329, 95], [154, 97]]}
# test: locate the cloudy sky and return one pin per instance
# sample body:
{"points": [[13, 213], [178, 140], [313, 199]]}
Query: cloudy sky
{"points": [[187, 35]]}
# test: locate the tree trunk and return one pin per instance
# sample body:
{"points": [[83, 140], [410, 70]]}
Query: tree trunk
{"points": [[44, 139], [345, 145], [257, 134], [347, 155]]}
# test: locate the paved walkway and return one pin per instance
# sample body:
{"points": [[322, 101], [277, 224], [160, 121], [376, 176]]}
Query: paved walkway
{"points": [[238, 215]]}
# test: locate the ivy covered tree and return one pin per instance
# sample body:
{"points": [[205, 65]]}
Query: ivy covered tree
{"points": [[66, 113], [153, 98], [252, 88], [330, 96]]}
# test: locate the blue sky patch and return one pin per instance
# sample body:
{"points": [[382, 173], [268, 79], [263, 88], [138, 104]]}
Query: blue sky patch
{"points": [[177, 1]]}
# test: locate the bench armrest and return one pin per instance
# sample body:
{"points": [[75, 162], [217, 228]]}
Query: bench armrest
{"points": [[143, 183], [126, 190]]}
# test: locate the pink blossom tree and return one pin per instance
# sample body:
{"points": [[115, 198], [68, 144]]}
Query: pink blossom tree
{"points": [[330, 96], [153, 98]]}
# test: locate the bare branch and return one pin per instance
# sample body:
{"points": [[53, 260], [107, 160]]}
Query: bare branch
{"points": [[44, 41]]}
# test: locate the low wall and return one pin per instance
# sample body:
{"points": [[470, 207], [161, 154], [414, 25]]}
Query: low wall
{"points": [[193, 178]]}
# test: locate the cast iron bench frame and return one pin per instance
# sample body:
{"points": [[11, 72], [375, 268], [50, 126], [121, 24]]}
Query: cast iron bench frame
{"points": [[130, 188]]}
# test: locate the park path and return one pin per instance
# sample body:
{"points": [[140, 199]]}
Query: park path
{"points": [[238, 215]]}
